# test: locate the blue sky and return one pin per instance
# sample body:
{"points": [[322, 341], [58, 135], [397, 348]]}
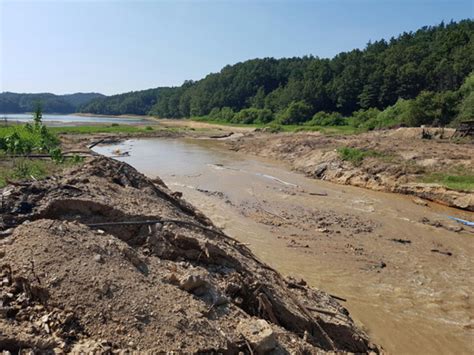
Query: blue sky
{"points": [[108, 46]]}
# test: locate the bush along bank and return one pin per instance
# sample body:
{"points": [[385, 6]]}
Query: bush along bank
{"points": [[20, 144]]}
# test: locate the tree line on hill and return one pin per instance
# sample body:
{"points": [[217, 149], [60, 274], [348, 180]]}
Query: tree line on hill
{"points": [[19, 103], [416, 76], [421, 77]]}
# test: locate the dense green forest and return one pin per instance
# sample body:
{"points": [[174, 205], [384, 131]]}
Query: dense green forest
{"points": [[135, 102], [19, 103], [412, 79], [421, 77]]}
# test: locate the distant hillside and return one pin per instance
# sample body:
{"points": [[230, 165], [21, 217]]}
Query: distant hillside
{"points": [[135, 102], [17, 103], [433, 61]]}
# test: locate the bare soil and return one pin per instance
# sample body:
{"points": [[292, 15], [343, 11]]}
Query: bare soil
{"points": [[402, 157], [103, 259]]}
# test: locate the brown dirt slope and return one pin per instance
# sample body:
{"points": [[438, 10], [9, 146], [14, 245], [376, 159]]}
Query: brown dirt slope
{"points": [[398, 161], [166, 280]]}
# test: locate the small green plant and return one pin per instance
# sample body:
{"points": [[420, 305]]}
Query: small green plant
{"points": [[149, 128], [56, 155], [28, 138], [115, 125], [273, 128], [38, 114], [26, 169], [355, 155], [76, 159]]}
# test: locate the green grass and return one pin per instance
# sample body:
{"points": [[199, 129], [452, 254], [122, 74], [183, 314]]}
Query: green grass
{"points": [[355, 155], [99, 129], [23, 139], [24, 169], [328, 130], [463, 182], [32, 169], [224, 123], [274, 127]]}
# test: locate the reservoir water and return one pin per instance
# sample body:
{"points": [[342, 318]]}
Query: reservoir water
{"points": [[66, 120]]}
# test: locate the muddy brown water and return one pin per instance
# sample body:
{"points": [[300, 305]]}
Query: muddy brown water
{"points": [[407, 283]]}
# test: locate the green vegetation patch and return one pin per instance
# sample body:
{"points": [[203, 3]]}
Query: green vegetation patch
{"points": [[24, 139], [454, 182], [113, 128], [32, 169], [355, 155], [17, 142]]}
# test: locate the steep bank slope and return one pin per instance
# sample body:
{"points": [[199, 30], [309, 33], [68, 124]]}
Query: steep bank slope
{"points": [[393, 161], [103, 259]]}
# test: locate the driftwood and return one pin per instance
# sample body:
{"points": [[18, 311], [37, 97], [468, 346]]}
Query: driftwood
{"points": [[318, 193], [96, 143], [18, 183], [310, 316], [70, 154], [319, 310], [222, 135], [338, 298], [264, 304]]}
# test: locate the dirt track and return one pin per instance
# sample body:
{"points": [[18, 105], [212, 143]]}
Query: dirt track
{"points": [[166, 280]]}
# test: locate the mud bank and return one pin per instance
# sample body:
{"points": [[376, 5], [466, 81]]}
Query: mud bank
{"points": [[400, 158], [104, 259]]}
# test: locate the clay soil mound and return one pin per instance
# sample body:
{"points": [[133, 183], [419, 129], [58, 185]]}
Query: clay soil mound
{"points": [[103, 259]]}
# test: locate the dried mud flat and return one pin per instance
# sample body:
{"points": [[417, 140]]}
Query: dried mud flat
{"points": [[402, 156], [104, 259]]}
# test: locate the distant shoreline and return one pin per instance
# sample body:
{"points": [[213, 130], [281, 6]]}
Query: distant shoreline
{"points": [[143, 117], [114, 116]]}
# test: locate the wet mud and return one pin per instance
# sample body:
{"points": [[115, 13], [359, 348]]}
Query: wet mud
{"points": [[403, 267]]}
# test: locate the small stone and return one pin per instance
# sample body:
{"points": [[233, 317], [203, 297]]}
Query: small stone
{"points": [[191, 282], [98, 258], [259, 334], [420, 202]]}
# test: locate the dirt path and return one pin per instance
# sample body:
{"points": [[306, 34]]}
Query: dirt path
{"points": [[404, 268]]}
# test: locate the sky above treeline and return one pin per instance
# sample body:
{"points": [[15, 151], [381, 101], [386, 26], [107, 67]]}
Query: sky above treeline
{"points": [[107, 46]]}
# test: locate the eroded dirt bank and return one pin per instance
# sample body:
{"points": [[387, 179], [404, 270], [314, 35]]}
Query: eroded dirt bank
{"points": [[398, 159], [104, 259]]}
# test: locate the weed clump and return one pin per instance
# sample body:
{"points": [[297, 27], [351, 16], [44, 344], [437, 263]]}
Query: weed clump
{"points": [[355, 155]]}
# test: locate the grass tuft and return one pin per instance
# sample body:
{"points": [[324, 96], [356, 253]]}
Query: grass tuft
{"points": [[355, 155], [454, 182]]}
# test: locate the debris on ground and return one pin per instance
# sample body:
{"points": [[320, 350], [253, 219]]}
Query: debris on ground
{"points": [[448, 253], [102, 259], [401, 241]]}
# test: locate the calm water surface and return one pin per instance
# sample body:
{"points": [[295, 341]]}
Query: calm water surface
{"points": [[66, 120]]}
